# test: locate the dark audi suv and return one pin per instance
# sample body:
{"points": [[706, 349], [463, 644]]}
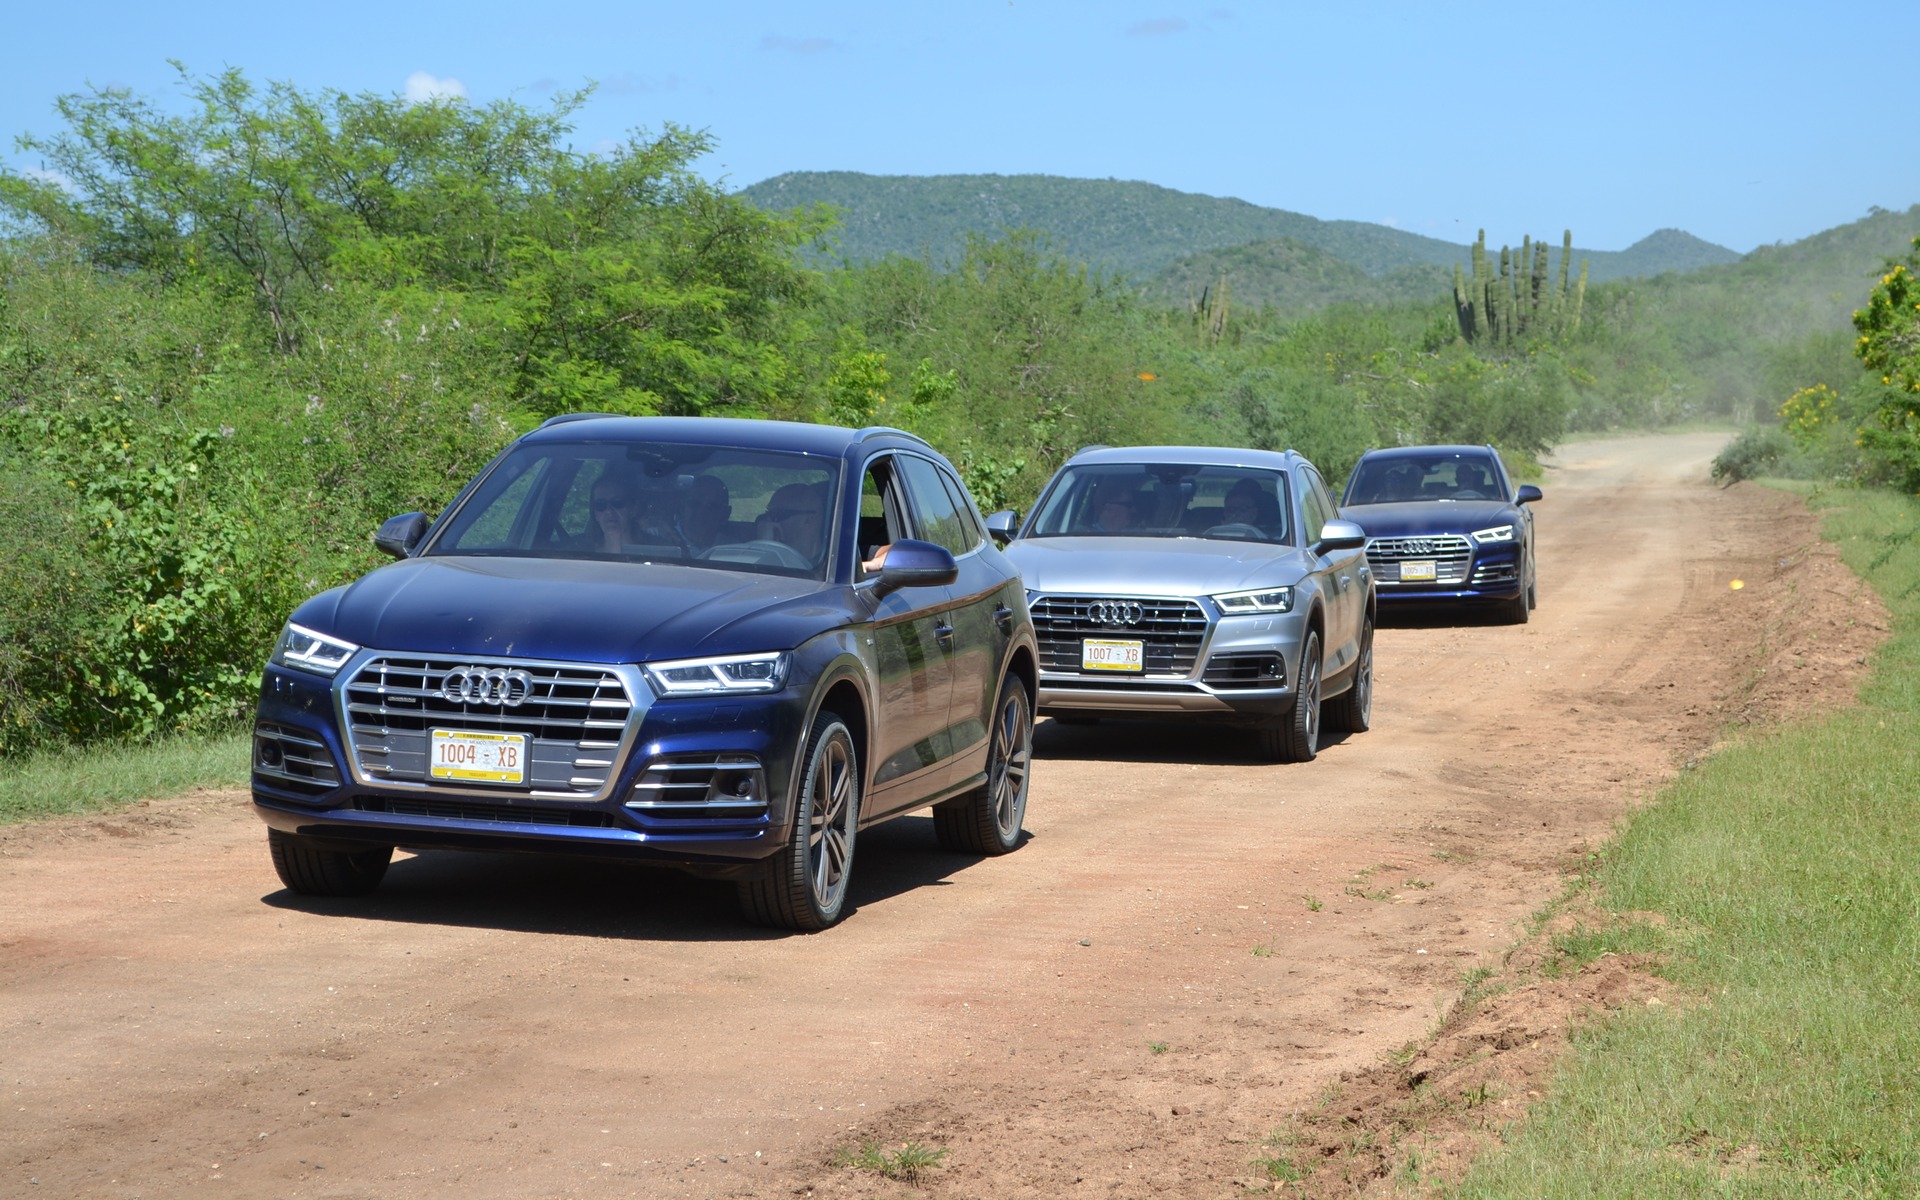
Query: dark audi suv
{"points": [[721, 645], [1446, 525]]}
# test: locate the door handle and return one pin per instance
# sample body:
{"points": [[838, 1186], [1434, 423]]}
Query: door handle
{"points": [[1003, 616], [943, 633]]}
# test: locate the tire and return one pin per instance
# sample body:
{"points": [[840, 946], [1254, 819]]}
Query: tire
{"points": [[987, 820], [315, 868], [1295, 737], [804, 885], [1514, 611], [1352, 710]]}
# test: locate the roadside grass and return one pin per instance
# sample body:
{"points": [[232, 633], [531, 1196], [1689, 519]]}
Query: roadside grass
{"points": [[909, 1164], [1787, 871], [102, 778]]}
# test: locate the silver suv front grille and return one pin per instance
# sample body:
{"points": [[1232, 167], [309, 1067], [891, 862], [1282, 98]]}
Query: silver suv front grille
{"points": [[1173, 630], [1448, 552], [575, 718]]}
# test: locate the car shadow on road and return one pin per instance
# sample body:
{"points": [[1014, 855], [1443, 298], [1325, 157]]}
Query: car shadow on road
{"points": [[1439, 616], [530, 893], [1128, 740]]}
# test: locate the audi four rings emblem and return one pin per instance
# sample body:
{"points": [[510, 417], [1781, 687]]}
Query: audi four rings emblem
{"points": [[486, 685], [1115, 612]]}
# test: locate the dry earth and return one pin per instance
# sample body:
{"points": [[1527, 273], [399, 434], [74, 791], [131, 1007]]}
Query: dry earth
{"points": [[1191, 950]]}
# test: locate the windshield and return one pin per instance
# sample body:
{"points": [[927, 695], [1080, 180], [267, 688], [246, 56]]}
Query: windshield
{"points": [[1398, 479], [1166, 500], [716, 506]]}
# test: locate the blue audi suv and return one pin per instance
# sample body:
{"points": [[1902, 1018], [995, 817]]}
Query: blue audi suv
{"points": [[1446, 525], [722, 645]]}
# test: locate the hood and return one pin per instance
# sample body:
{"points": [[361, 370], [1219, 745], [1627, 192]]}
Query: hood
{"points": [[1416, 517], [571, 610], [1152, 566]]}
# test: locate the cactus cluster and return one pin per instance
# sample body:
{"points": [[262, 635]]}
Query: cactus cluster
{"points": [[1209, 309], [1520, 302]]}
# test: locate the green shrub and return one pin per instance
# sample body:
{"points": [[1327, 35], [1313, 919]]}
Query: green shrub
{"points": [[1757, 451]]}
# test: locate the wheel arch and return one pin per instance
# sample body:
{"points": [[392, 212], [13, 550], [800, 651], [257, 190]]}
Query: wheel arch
{"points": [[845, 699]]}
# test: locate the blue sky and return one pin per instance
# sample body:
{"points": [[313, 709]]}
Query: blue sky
{"points": [[1741, 123]]}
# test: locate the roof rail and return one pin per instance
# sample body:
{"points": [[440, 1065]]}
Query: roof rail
{"points": [[567, 418], [1093, 446], [874, 431]]}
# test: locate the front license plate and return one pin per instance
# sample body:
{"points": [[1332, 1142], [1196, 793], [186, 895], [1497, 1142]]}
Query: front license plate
{"points": [[1098, 654], [483, 757], [1424, 571]]}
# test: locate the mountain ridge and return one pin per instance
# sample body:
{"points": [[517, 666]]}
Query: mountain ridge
{"points": [[1140, 230]]}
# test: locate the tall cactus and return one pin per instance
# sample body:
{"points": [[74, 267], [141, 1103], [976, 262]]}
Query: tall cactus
{"points": [[1519, 301]]}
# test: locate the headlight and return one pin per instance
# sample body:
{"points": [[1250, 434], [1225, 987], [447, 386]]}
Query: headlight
{"points": [[305, 650], [1262, 600], [734, 673], [1499, 533]]}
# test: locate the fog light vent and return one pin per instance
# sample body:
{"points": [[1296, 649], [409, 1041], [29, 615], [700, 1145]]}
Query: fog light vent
{"points": [[724, 786]]}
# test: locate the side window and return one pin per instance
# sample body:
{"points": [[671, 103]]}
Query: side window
{"points": [[935, 517], [1316, 506], [883, 512], [971, 526], [1501, 480]]}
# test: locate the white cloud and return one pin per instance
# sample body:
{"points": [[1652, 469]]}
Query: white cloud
{"points": [[423, 88]]}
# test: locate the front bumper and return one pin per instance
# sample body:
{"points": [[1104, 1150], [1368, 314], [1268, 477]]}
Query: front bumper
{"points": [[692, 780], [1238, 667], [1485, 574]]}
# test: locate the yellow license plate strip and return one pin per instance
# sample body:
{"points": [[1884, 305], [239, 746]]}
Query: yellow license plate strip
{"points": [[467, 755], [1112, 654]]}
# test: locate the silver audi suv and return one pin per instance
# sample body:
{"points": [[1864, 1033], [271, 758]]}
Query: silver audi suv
{"points": [[1184, 582]]}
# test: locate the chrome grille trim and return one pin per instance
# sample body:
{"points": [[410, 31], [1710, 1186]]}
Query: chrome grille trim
{"points": [[677, 790], [1173, 630], [576, 717], [1450, 554]]}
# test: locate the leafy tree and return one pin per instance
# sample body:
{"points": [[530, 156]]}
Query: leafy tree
{"points": [[619, 281], [1889, 346]]}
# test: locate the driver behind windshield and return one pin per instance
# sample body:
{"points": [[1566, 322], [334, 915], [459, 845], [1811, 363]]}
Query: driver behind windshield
{"points": [[1112, 508], [1242, 504], [797, 516]]}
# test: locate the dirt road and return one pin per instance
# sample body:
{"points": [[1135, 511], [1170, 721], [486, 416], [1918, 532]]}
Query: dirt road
{"points": [[1190, 946]]}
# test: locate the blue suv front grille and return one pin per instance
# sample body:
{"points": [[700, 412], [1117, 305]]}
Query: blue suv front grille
{"points": [[574, 717]]}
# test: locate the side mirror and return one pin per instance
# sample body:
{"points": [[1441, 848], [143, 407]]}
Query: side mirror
{"points": [[1527, 494], [912, 563], [399, 535], [1001, 526], [1340, 535]]}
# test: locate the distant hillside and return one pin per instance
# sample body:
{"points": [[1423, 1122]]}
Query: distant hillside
{"points": [[1789, 288], [1286, 274], [1140, 229]]}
